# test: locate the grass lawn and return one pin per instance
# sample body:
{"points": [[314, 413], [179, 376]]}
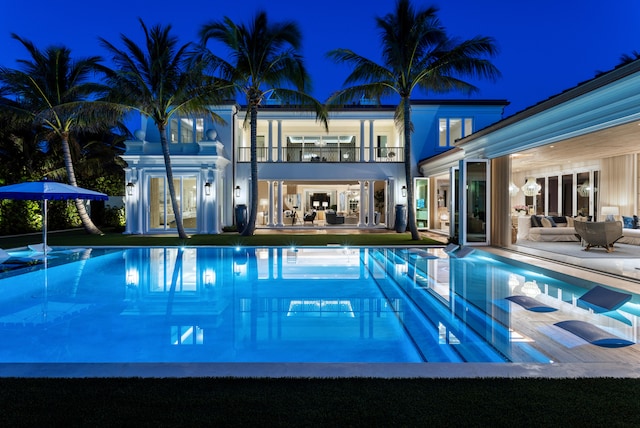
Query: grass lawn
{"points": [[320, 402]]}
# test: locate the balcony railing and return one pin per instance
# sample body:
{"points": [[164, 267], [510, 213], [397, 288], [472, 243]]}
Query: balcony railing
{"points": [[323, 154]]}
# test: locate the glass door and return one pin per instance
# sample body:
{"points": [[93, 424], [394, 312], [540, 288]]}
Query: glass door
{"points": [[161, 216], [473, 208]]}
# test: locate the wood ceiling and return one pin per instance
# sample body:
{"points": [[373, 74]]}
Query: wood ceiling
{"points": [[615, 141]]}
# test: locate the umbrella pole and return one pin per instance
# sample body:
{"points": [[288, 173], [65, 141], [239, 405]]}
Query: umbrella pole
{"points": [[44, 229]]}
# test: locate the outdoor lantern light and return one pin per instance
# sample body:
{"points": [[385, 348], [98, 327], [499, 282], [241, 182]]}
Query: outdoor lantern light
{"points": [[404, 191], [531, 188], [237, 191], [130, 187], [207, 188]]}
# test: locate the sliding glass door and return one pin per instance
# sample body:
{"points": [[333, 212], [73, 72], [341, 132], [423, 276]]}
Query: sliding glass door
{"points": [[161, 216]]}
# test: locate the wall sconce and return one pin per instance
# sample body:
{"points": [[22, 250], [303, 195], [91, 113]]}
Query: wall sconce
{"points": [[237, 191], [404, 191], [130, 187], [207, 188]]}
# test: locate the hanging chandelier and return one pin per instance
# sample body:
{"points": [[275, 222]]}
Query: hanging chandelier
{"points": [[531, 188], [513, 189]]}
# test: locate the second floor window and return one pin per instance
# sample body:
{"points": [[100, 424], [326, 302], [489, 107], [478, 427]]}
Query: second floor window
{"points": [[186, 130], [452, 129]]}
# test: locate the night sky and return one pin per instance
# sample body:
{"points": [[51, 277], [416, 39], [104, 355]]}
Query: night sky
{"points": [[546, 46]]}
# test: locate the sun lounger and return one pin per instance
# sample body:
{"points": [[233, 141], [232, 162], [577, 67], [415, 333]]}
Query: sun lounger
{"points": [[593, 334], [38, 248], [451, 247], [462, 252], [531, 304], [4, 255], [602, 299]]}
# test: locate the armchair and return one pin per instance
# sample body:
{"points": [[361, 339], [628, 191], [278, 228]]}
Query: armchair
{"points": [[331, 217], [309, 217], [599, 233]]}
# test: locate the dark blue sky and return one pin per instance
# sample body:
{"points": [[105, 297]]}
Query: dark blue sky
{"points": [[546, 46]]}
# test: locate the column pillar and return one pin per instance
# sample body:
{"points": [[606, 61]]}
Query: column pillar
{"points": [[270, 142], [361, 141], [280, 148], [372, 154], [270, 207], [280, 204]]}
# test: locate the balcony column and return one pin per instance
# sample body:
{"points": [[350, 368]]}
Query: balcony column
{"points": [[270, 142], [362, 214], [361, 141], [280, 149], [270, 209], [280, 204], [372, 154], [372, 210]]}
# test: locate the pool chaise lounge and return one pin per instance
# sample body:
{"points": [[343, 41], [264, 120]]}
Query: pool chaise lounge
{"points": [[531, 304], [593, 334], [601, 299]]}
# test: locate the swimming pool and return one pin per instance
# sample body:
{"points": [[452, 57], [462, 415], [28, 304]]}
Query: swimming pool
{"points": [[321, 305]]}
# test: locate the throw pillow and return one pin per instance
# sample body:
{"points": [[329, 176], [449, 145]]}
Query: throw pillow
{"points": [[627, 222], [535, 221], [545, 222], [636, 222], [570, 221], [552, 222]]}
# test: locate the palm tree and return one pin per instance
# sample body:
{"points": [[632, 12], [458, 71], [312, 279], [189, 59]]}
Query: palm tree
{"points": [[264, 60], [416, 53], [55, 93], [160, 81]]}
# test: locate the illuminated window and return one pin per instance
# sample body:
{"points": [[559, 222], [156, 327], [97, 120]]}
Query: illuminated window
{"points": [[452, 129]]}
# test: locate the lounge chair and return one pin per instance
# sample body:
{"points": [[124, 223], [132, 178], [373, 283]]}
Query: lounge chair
{"points": [[39, 248], [309, 217], [593, 334], [601, 299], [531, 304], [332, 217], [599, 233]]}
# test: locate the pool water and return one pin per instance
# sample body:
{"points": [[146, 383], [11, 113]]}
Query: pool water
{"points": [[328, 304]]}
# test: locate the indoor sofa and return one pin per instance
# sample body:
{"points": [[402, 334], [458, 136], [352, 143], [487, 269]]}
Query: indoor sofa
{"points": [[331, 217], [552, 229]]}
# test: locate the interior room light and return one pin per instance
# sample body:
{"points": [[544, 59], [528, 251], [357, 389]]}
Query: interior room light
{"points": [[513, 189], [404, 191], [584, 189], [316, 204], [237, 191], [531, 188], [130, 187], [207, 188], [325, 204], [609, 212]]}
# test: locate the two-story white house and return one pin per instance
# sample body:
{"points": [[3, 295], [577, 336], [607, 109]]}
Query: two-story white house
{"points": [[355, 171]]}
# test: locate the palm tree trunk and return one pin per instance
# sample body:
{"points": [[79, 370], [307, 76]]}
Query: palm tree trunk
{"points": [[411, 213], [251, 223], [87, 223], [177, 212]]}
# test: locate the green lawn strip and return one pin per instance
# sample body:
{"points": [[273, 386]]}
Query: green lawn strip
{"points": [[319, 402], [80, 238]]}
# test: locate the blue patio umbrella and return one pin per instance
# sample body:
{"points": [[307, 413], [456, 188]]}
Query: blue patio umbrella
{"points": [[48, 190]]}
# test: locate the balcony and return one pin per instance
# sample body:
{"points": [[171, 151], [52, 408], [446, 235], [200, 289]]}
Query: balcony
{"points": [[349, 154]]}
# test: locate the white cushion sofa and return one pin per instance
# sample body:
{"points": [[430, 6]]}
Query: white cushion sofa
{"points": [[630, 230], [552, 229]]}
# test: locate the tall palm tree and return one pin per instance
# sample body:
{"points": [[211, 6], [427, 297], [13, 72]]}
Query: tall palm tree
{"points": [[55, 93], [264, 60], [161, 80], [416, 53]]}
